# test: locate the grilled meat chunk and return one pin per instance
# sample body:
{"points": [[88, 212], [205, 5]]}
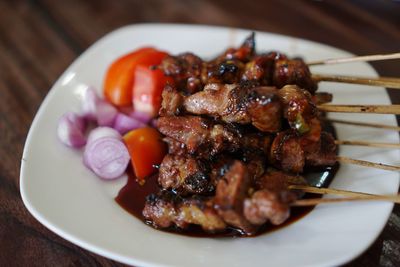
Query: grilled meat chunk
{"points": [[287, 153], [293, 71], [279, 181], [175, 147], [259, 106], [260, 69], [185, 69], [231, 191], [291, 153], [185, 174], [219, 101], [197, 133], [271, 201], [265, 205], [166, 210], [172, 101], [324, 153], [244, 53]]}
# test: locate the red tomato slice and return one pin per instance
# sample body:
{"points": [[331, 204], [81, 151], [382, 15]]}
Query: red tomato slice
{"points": [[120, 76], [147, 89], [146, 149]]}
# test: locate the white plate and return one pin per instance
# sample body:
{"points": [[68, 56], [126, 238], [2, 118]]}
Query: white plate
{"points": [[68, 199]]}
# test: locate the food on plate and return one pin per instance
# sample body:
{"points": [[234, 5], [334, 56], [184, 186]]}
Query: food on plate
{"points": [[229, 136]]}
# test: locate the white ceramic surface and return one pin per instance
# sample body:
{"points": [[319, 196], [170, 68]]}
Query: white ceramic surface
{"points": [[68, 199]]}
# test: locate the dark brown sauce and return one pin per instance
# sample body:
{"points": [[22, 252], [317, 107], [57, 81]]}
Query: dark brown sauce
{"points": [[132, 198]]}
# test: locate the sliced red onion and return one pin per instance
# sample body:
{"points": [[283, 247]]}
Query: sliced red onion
{"points": [[143, 117], [106, 114], [96, 109], [124, 123], [70, 130], [107, 157], [101, 132], [89, 104]]}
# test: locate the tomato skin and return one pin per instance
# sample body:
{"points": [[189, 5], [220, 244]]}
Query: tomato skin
{"points": [[120, 76], [146, 149], [147, 89]]}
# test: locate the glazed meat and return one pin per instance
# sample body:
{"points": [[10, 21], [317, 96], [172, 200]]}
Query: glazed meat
{"points": [[172, 101], [293, 71], [286, 152], [260, 68], [265, 205], [291, 153], [199, 134], [231, 191], [271, 201], [185, 175], [259, 106], [244, 53], [175, 147], [324, 153], [204, 138], [185, 69], [164, 210], [219, 101]]}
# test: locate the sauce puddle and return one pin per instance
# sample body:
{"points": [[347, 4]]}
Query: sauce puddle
{"points": [[132, 198]]}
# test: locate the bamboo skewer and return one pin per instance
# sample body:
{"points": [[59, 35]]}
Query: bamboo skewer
{"points": [[354, 59], [349, 196], [316, 201], [380, 109], [323, 191], [364, 143], [367, 163], [373, 125], [381, 81]]}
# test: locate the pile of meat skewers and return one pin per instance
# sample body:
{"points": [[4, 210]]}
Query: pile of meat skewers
{"points": [[240, 129]]}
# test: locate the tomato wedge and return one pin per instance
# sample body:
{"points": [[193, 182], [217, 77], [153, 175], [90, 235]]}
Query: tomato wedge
{"points": [[147, 89], [120, 76], [146, 149]]}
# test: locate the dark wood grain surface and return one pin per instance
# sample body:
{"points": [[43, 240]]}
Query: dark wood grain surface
{"points": [[39, 39]]}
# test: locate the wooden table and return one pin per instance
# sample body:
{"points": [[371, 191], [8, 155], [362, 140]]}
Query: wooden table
{"points": [[39, 39]]}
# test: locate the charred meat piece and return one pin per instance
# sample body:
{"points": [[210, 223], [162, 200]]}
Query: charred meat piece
{"points": [[278, 181], [204, 138], [293, 71], [172, 101], [325, 153], [244, 53], [290, 152], [271, 201], [227, 72], [161, 209], [185, 175], [231, 191], [264, 108], [199, 134], [232, 103], [219, 101], [175, 147], [287, 153], [260, 69], [265, 205], [299, 108], [185, 69], [165, 210]]}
